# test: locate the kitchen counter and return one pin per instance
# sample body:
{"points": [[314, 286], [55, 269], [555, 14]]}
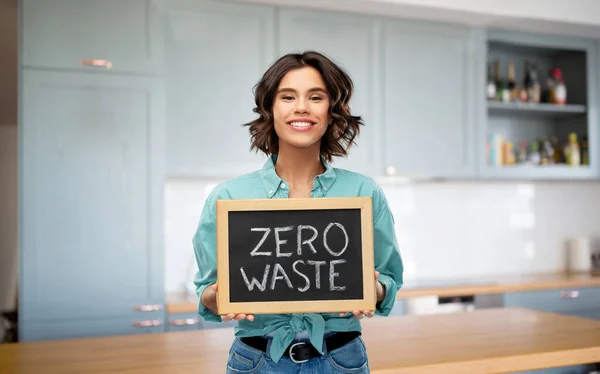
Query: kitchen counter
{"points": [[498, 284], [183, 303], [483, 341]]}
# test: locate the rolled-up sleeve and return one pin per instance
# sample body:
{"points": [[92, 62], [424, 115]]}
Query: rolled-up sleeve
{"points": [[388, 261], [205, 249]]}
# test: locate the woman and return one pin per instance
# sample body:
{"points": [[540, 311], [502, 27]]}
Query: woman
{"points": [[304, 121]]}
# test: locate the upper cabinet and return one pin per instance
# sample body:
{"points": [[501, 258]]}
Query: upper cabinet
{"points": [[215, 53], [539, 107], [108, 35], [353, 42], [428, 100]]}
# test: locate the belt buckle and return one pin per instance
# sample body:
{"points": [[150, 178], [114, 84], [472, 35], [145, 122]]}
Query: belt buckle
{"points": [[292, 353]]}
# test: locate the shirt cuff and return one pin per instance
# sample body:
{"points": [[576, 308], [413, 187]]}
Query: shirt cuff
{"points": [[391, 289], [203, 311]]}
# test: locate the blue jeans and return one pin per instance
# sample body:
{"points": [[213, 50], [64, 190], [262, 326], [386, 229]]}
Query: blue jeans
{"points": [[350, 358]]}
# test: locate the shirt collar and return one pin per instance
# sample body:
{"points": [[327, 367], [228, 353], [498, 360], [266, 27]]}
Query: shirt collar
{"points": [[272, 182]]}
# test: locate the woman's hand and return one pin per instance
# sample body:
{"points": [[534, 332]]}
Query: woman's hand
{"points": [[379, 291], [210, 300]]}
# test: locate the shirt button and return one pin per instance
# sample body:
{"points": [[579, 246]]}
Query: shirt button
{"points": [[270, 192], [325, 188], [283, 185]]}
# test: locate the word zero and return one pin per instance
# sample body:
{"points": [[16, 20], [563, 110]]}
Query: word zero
{"points": [[299, 241]]}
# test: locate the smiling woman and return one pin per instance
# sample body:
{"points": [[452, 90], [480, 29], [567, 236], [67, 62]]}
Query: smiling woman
{"points": [[304, 121], [312, 95]]}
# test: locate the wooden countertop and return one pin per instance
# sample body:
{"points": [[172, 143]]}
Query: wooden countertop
{"points": [[483, 341], [182, 303], [498, 284]]}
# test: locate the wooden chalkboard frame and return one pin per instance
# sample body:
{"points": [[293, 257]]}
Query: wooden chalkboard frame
{"points": [[225, 306]]}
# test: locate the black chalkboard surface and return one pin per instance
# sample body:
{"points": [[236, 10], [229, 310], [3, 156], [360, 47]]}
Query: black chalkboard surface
{"points": [[295, 255]]}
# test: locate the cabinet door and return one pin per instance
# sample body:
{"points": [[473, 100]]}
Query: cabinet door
{"points": [[92, 172], [352, 41], [216, 53], [71, 33], [567, 301], [183, 322], [428, 110], [32, 331]]}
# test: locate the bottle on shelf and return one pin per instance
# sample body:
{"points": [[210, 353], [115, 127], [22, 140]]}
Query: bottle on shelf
{"points": [[491, 84], [558, 90], [509, 153], [502, 92], [546, 152], [585, 155], [534, 154], [558, 155], [512, 85], [522, 156], [572, 151], [534, 90]]}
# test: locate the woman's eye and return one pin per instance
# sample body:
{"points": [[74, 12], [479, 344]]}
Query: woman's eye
{"points": [[287, 98], [317, 98]]}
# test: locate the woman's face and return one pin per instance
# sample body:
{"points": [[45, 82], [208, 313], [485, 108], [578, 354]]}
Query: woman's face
{"points": [[301, 109]]}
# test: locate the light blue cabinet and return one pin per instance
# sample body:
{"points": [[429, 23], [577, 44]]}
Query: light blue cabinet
{"points": [[87, 35], [183, 322], [428, 100], [577, 301], [91, 177], [353, 42], [85, 328], [215, 53]]}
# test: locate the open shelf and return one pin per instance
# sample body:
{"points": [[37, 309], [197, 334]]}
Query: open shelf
{"points": [[496, 107], [549, 172], [525, 125]]}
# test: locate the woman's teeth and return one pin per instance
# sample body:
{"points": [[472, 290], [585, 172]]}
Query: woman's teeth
{"points": [[300, 124]]}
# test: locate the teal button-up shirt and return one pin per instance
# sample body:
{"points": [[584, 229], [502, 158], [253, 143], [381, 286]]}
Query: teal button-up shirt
{"points": [[265, 183]]}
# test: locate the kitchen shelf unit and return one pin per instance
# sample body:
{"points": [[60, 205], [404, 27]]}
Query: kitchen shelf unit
{"points": [[516, 122]]}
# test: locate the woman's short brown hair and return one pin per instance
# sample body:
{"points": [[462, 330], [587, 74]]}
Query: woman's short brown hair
{"points": [[344, 128]]}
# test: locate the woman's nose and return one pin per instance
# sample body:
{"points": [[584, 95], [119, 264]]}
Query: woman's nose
{"points": [[301, 107]]}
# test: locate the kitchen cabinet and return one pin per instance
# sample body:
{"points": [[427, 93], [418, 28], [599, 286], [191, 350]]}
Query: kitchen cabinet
{"points": [[216, 53], [74, 329], [580, 302], [566, 301], [353, 42], [121, 36], [518, 123], [428, 100], [183, 322], [92, 173]]}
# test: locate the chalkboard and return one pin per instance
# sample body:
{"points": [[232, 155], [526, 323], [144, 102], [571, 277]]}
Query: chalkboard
{"points": [[295, 255]]}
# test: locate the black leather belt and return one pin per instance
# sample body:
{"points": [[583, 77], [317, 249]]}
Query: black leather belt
{"points": [[304, 351]]}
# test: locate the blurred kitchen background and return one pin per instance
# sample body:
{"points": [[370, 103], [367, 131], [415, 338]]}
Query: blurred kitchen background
{"points": [[481, 126]]}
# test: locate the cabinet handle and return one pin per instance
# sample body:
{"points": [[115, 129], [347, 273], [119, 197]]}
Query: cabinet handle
{"points": [[184, 322], [97, 63], [569, 294], [390, 170], [148, 323], [148, 307]]}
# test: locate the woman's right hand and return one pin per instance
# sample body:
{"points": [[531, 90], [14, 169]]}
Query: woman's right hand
{"points": [[210, 300]]}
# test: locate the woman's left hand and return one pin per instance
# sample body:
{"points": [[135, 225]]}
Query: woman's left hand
{"points": [[379, 291]]}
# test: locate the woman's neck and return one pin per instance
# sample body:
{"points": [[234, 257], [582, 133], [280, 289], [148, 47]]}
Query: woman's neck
{"points": [[299, 166]]}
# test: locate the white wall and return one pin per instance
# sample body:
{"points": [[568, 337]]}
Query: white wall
{"points": [[446, 230], [8, 154]]}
